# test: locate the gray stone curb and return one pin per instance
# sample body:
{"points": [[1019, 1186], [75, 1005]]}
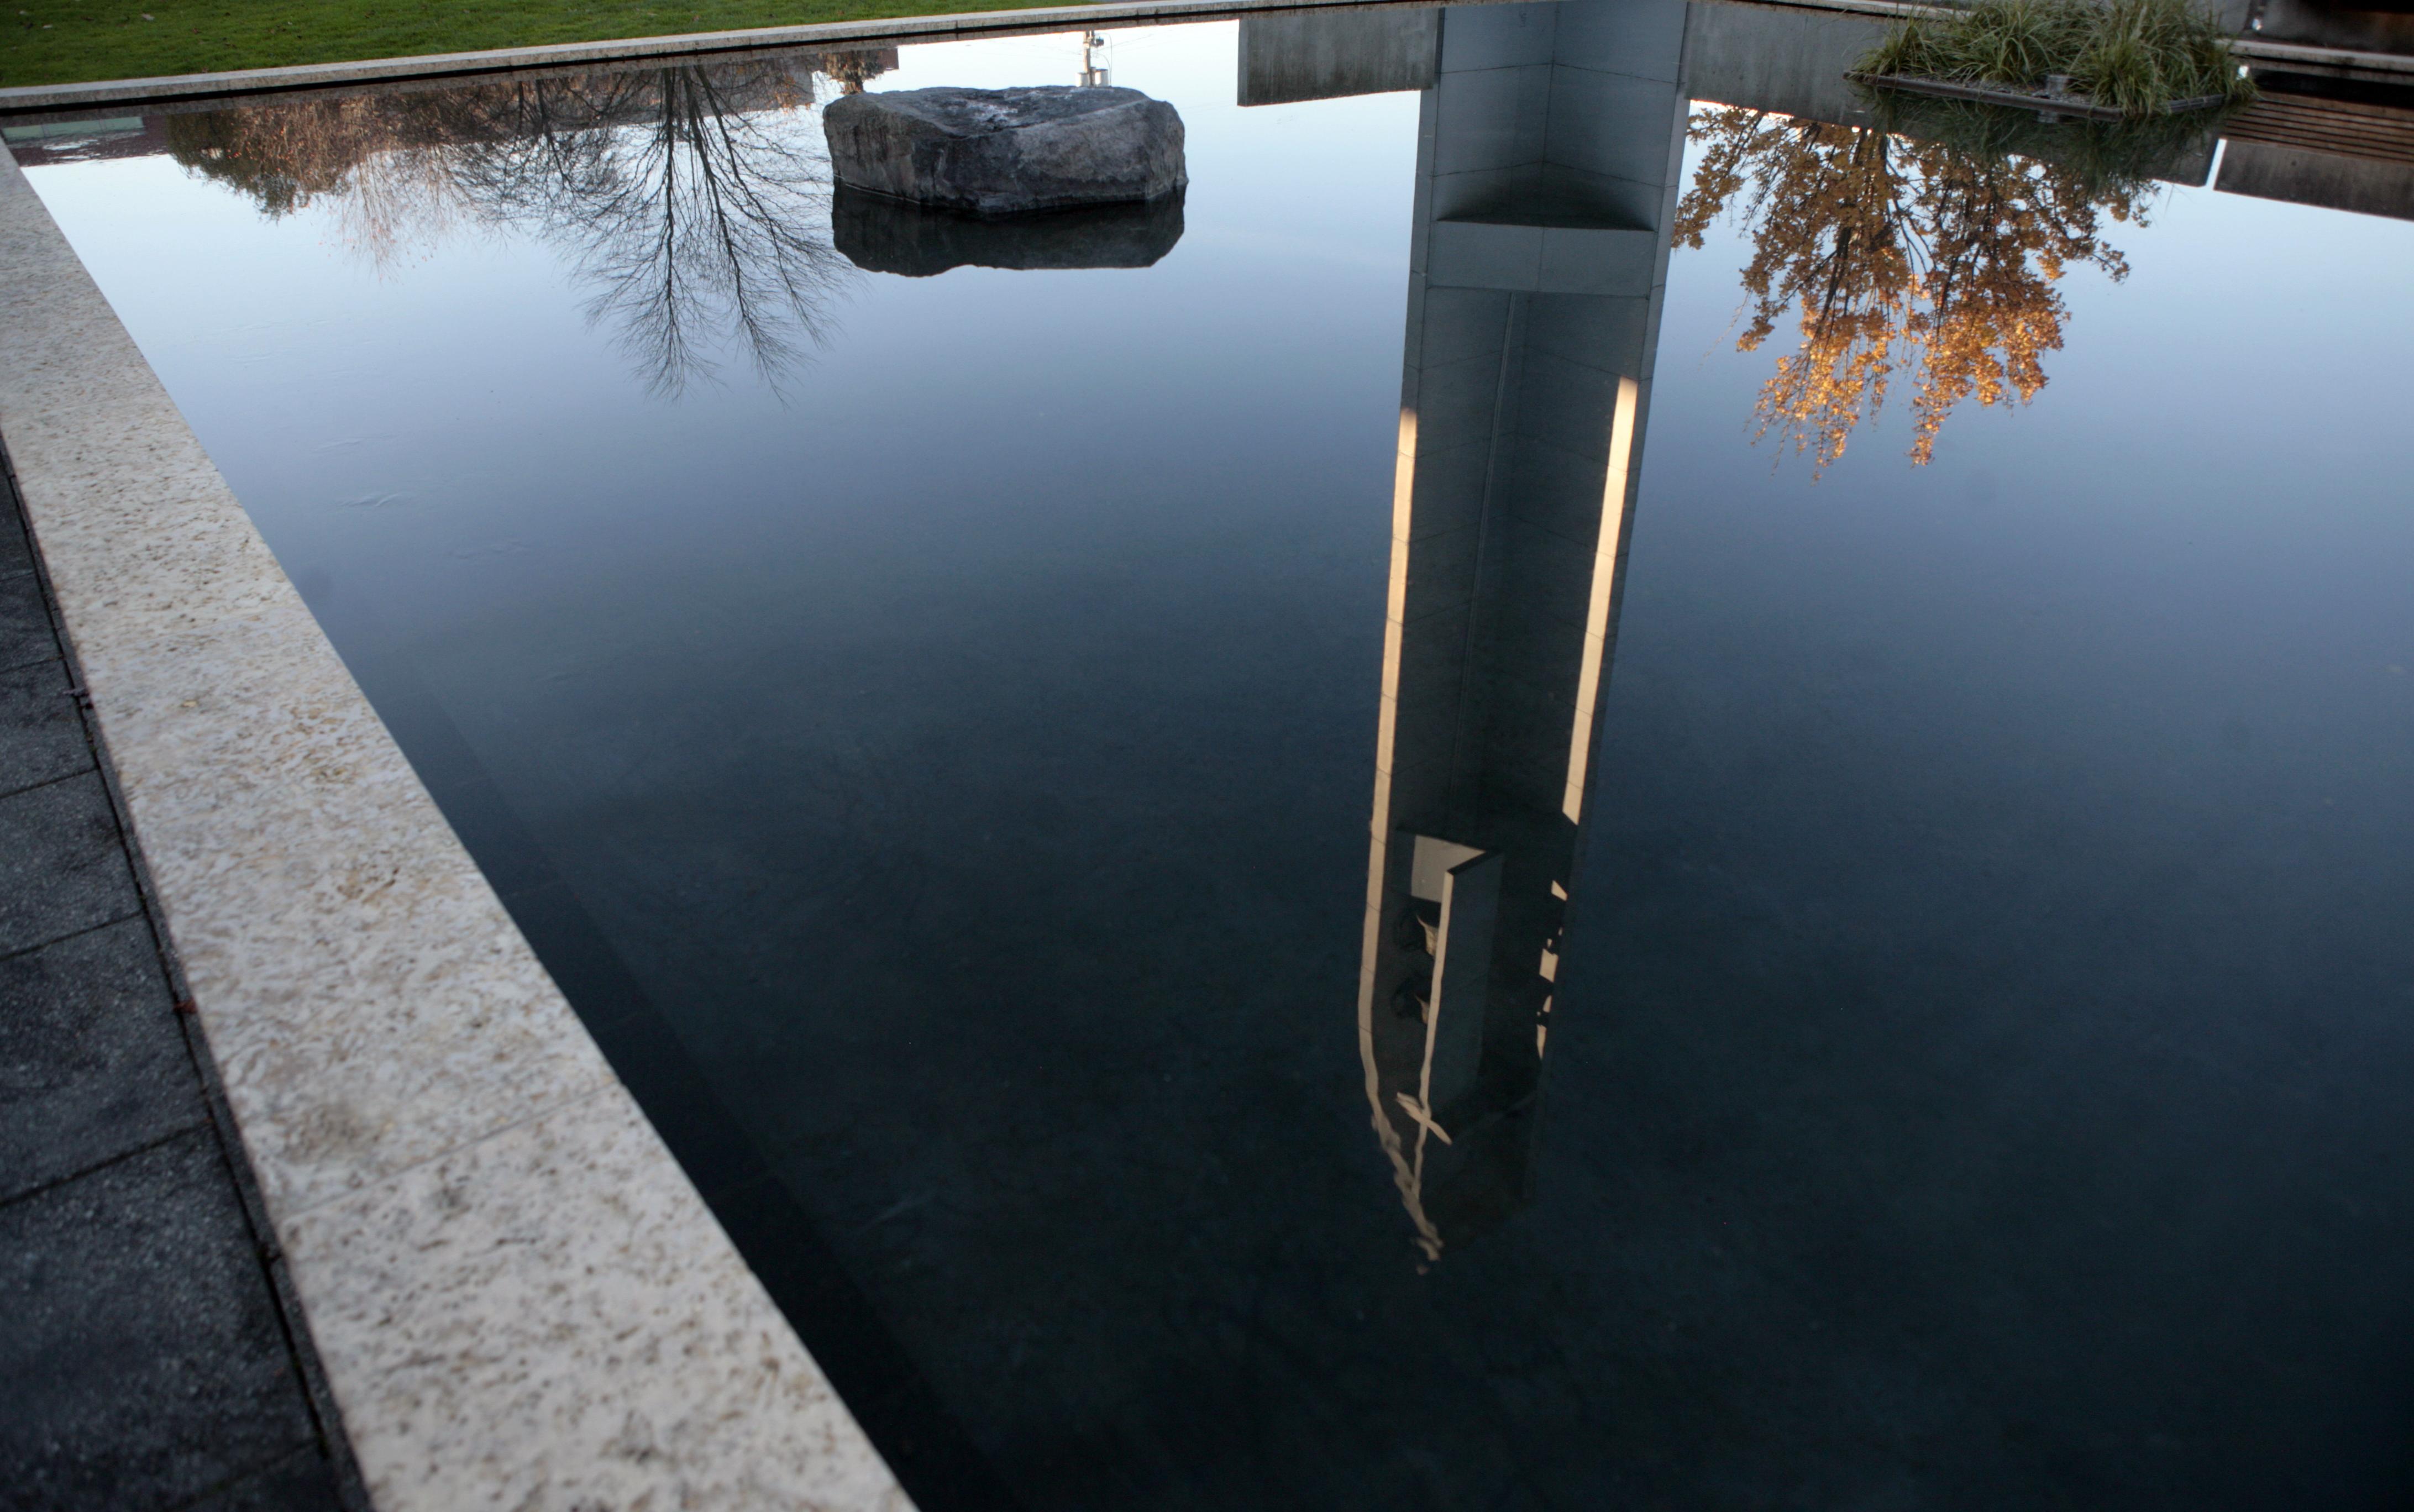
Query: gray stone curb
{"points": [[206, 86], [835, 35], [517, 1296]]}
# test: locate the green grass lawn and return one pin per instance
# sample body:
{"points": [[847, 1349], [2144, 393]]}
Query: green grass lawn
{"points": [[62, 41]]}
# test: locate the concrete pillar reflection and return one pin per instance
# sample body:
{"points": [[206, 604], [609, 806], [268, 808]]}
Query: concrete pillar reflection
{"points": [[1550, 142]]}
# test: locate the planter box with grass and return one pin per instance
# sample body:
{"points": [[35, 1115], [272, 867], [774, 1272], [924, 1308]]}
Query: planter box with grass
{"points": [[2088, 59]]}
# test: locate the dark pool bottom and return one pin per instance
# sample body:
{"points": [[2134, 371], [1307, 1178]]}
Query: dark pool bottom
{"points": [[1189, 1005], [1846, 1192]]}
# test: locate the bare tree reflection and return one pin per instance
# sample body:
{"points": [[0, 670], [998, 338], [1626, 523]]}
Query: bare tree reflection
{"points": [[700, 222], [693, 202], [1902, 253]]}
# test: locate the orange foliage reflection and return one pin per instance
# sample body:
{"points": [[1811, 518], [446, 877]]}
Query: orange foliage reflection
{"points": [[1902, 253]]}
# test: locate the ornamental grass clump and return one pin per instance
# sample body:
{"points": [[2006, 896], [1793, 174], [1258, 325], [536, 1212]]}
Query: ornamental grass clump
{"points": [[2139, 57]]}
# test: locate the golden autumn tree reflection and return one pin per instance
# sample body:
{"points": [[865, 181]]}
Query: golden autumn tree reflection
{"points": [[1899, 257], [693, 202]]}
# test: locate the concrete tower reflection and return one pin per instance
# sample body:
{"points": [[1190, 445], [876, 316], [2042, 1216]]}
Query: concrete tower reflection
{"points": [[1550, 144]]}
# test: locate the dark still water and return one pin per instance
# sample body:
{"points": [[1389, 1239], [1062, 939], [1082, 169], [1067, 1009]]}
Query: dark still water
{"points": [[1418, 849]]}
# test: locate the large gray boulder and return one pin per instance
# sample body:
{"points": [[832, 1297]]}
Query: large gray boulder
{"points": [[1001, 152]]}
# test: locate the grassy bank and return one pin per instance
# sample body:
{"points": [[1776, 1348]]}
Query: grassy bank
{"points": [[2136, 55], [65, 41]]}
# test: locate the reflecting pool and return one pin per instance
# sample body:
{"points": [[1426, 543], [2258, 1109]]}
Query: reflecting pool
{"points": [[1611, 780]]}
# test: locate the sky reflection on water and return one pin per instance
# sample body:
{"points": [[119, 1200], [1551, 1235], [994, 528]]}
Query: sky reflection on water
{"points": [[1937, 1024]]}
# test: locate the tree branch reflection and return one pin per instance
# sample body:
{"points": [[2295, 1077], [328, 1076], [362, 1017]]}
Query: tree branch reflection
{"points": [[1903, 254], [693, 202]]}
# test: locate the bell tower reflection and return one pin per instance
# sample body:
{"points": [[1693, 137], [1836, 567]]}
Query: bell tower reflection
{"points": [[1549, 148]]}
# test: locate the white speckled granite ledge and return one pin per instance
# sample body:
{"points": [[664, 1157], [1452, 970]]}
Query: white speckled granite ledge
{"points": [[520, 1301], [825, 33]]}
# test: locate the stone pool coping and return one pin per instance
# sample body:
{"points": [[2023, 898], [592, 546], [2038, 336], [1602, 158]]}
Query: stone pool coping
{"points": [[838, 35], [519, 1298]]}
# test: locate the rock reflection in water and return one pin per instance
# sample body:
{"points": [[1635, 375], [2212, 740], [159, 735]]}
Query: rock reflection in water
{"points": [[693, 201], [884, 235], [1928, 246]]}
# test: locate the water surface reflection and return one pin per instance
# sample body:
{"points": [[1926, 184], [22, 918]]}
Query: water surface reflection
{"points": [[693, 202], [1904, 253], [1105, 835]]}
